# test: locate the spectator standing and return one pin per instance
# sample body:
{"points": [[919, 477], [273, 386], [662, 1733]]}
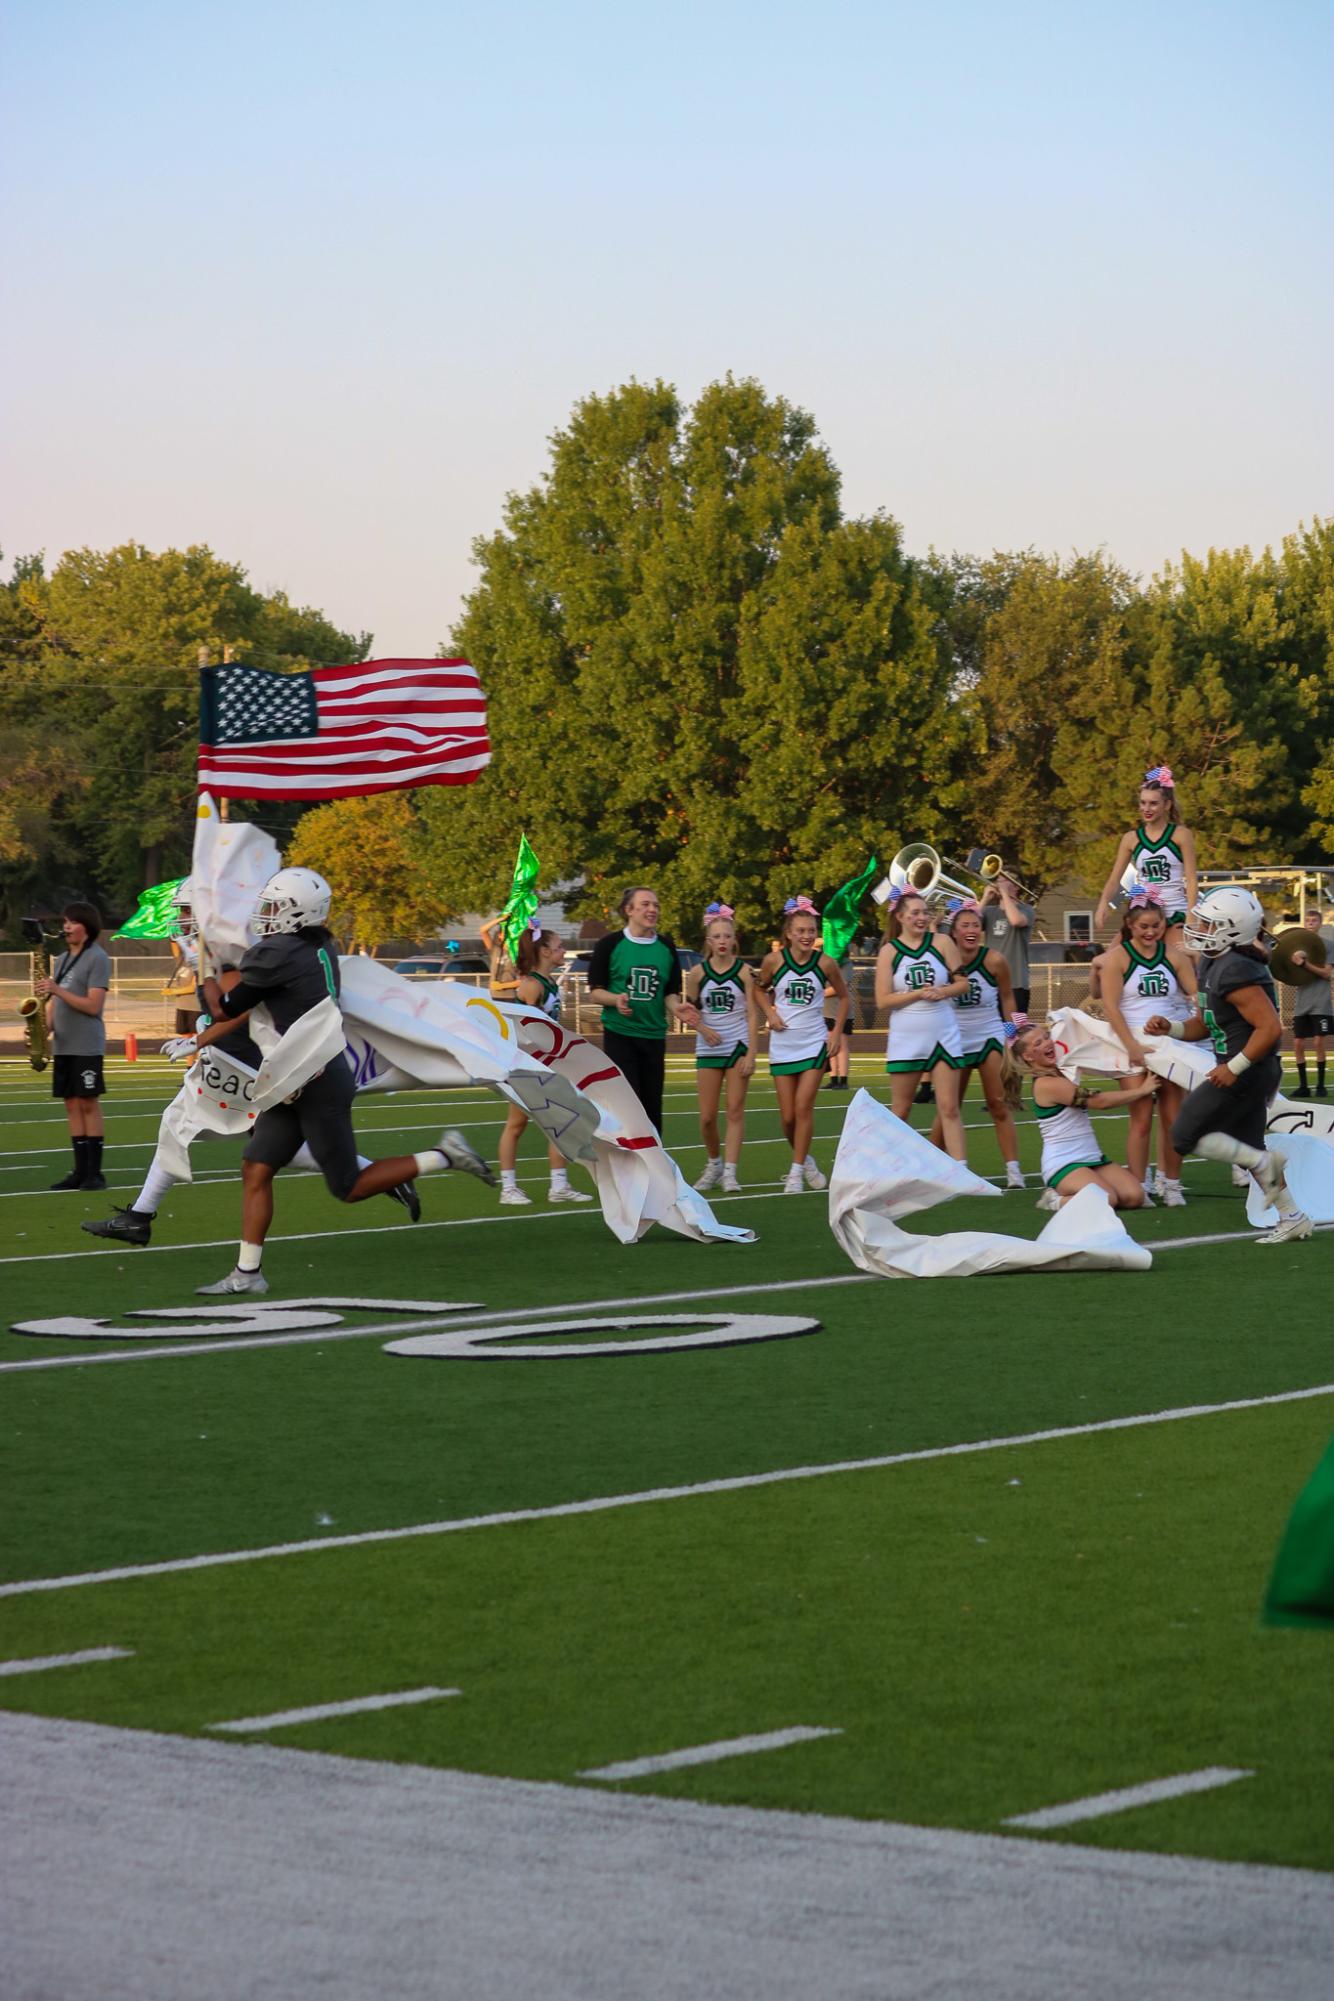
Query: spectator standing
{"points": [[634, 976], [75, 997], [1009, 925], [1313, 1016]]}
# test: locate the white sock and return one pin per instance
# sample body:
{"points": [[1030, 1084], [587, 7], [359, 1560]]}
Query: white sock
{"points": [[431, 1162], [1012, 1167], [715, 1160], [560, 1177], [797, 1165], [1221, 1146], [155, 1187], [509, 1178], [249, 1256]]}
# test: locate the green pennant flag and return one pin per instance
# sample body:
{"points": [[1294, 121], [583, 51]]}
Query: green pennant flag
{"points": [[521, 904], [156, 915], [840, 920], [1301, 1590]]}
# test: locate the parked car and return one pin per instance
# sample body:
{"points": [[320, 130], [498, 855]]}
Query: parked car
{"points": [[432, 966]]}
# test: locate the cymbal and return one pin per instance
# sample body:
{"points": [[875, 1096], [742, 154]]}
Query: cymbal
{"points": [[1294, 939]]}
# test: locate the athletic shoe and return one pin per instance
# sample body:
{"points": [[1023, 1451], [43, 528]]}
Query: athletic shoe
{"points": [[1173, 1198], [405, 1192], [1014, 1177], [74, 1180], [731, 1186], [514, 1198], [1159, 1187], [712, 1175], [1049, 1200], [237, 1281], [1268, 1172], [1290, 1230], [567, 1194], [1241, 1176], [1321, 1091], [124, 1226], [1148, 1202], [793, 1183], [93, 1184], [812, 1176], [463, 1157]]}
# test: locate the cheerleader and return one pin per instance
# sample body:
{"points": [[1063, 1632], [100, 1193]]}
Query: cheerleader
{"points": [[793, 979], [986, 1016], [1071, 1156], [1149, 974], [539, 957], [1161, 851], [914, 974], [723, 989]]}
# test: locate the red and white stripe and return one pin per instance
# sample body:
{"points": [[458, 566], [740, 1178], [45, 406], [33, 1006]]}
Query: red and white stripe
{"points": [[384, 725]]}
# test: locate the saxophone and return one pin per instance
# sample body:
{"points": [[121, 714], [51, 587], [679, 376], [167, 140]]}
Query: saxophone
{"points": [[33, 1009]]}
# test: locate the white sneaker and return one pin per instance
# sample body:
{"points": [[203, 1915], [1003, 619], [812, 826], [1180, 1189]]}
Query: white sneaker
{"points": [[1014, 1176], [1048, 1199], [237, 1281], [731, 1186], [1291, 1229], [463, 1157], [1148, 1202], [793, 1183], [514, 1198], [565, 1193], [1240, 1176], [812, 1176], [1159, 1187], [1173, 1197], [712, 1175]]}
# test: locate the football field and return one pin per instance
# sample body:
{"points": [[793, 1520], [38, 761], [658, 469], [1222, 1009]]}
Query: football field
{"points": [[982, 1555]]}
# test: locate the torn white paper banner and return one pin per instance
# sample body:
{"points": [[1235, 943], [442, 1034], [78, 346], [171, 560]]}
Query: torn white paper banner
{"points": [[313, 1041], [232, 861], [1308, 1168], [884, 1169], [1085, 1043], [217, 1098]]}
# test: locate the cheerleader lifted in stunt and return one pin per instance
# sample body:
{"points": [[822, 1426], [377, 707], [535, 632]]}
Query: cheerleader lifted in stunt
{"points": [[1160, 849], [795, 976]]}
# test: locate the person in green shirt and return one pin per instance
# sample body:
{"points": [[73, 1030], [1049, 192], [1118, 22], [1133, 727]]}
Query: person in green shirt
{"points": [[635, 977]]}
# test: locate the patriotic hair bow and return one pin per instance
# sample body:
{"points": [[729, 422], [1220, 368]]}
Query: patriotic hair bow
{"points": [[534, 927], [718, 910], [804, 903], [896, 894], [1144, 897], [1160, 775], [958, 903]]}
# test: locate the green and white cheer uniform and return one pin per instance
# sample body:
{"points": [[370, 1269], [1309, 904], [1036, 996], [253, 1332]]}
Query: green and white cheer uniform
{"points": [[1160, 864], [722, 1003], [1068, 1142], [1152, 987], [798, 993], [550, 1001], [924, 1034], [981, 1028]]}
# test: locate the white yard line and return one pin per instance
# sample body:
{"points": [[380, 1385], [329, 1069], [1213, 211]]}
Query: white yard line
{"points": [[604, 1504], [281, 1718], [708, 1754], [39, 1663], [1098, 1804]]}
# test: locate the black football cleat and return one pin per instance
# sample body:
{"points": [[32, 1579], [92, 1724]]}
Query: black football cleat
{"points": [[406, 1193], [124, 1226]]}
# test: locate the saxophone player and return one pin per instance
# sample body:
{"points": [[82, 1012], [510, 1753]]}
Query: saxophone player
{"points": [[75, 996]]}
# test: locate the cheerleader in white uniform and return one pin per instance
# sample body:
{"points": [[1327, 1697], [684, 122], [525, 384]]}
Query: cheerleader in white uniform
{"points": [[723, 988], [1148, 973], [915, 975], [1161, 851], [1071, 1156], [539, 958], [986, 1017], [793, 979]]}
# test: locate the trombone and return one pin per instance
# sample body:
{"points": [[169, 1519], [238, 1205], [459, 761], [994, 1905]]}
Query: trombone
{"points": [[919, 868]]}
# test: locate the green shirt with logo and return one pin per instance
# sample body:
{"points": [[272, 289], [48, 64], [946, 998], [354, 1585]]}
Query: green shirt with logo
{"points": [[644, 968]]}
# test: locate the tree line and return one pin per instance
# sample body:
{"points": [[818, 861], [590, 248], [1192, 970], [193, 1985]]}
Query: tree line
{"points": [[703, 673]]}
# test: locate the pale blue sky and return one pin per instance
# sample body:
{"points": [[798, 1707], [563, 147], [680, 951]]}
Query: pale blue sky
{"points": [[314, 284]]}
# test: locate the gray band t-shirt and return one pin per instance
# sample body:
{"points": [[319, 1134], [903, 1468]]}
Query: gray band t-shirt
{"points": [[1010, 940], [80, 1034]]}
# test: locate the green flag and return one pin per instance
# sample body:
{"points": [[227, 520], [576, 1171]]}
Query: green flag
{"points": [[521, 905], [1301, 1590], [840, 919], [156, 915]]}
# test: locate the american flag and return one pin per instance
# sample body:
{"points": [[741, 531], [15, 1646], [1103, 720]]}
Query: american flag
{"points": [[375, 726]]}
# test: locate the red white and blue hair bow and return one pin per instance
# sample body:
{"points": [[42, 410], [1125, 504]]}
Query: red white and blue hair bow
{"points": [[713, 910], [1160, 775], [802, 903], [1144, 897], [958, 903]]}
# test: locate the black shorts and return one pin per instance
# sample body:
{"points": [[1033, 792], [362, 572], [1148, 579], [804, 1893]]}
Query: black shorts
{"points": [[1304, 1026], [77, 1077], [321, 1115], [1241, 1111]]}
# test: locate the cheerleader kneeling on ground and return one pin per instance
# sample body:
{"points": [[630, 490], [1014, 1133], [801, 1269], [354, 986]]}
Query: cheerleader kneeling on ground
{"points": [[723, 989], [914, 974], [1071, 1156], [986, 1017], [1149, 975], [793, 979], [539, 957]]}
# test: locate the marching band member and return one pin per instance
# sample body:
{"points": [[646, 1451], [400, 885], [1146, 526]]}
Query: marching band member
{"points": [[985, 1011], [1224, 1117], [75, 995], [724, 991], [1149, 974], [795, 976], [1071, 1156], [1161, 850], [914, 973], [539, 957], [292, 969]]}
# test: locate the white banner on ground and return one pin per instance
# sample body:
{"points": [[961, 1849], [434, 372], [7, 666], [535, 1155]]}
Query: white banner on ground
{"points": [[233, 859], [884, 1169]]}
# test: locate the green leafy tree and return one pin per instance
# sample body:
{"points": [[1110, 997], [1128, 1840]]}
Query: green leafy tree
{"points": [[370, 852]]}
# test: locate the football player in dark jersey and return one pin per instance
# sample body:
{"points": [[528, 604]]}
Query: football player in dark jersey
{"points": [[1224, 1117], [290, 971]]}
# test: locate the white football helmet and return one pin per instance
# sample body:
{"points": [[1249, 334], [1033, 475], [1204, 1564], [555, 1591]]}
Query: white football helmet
{"points": [[183, 924], [290, 900], [1222, 919]]}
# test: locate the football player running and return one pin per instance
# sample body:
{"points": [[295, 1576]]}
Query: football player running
{"points": [[1224, 1117], [292, 969]]}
